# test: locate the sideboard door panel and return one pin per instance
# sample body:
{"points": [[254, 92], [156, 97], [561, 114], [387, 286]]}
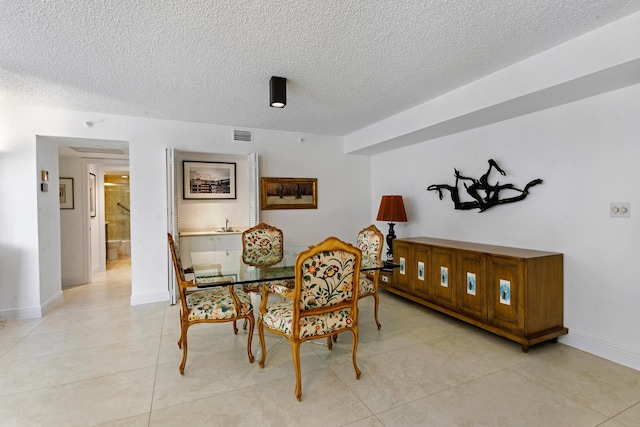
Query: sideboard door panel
{"points": [[401, 275], [421, 260], [443, 276], [505, 288], [472, 286]]}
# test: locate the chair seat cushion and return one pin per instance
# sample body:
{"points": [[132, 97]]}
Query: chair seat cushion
{"points": [[279, 317], [365, 286], [216, 303]]}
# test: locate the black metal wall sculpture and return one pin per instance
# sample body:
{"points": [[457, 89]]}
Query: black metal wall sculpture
{"points": [[484, 195]]}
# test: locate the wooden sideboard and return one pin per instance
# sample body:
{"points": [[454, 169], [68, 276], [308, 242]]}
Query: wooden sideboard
{"points": [[515, 293]]}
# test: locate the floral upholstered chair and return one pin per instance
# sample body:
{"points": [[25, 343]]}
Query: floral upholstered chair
{"points": [[323, 302], [213, 305], [262, 245], [370, 241]]}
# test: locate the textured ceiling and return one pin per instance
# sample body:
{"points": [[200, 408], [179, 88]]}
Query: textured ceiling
{"points": [[349, 63]]}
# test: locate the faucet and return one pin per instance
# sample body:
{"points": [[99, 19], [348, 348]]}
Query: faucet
{"points": [[226, 227]]}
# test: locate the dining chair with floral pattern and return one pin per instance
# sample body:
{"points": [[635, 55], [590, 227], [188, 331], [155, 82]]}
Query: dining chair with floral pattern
{"points": [[262, 245], [212, 305], [370, 241], [323, 302]]}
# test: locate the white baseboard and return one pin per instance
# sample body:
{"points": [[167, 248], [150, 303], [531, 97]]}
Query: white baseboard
{"points": [[606, 350], [32, 312], [38, 312], [149, 298], [51, 303], [21, 313], [72, 282]]}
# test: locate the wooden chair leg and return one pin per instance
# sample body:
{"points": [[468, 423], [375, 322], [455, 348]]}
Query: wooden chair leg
{"points": [[250, 337], [354, 349], [184, 348], [375, 309], [263, 347], [235, 328], [295, 350]]}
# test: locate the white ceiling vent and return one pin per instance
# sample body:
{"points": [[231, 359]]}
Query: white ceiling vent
{"points": [[242, 135], [99, 150]]}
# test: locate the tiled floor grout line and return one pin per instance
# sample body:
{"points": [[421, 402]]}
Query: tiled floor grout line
{"points": [[467, 346], [155, 375]]}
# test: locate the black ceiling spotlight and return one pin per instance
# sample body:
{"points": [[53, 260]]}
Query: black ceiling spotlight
{"points": [[278, 92]]}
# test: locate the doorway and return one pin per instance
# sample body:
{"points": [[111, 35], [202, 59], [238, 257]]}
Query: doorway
{"points": [[82, 231], [117, 216]]}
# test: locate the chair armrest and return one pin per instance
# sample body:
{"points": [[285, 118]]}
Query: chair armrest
{"points": [[271, 288], [367, 274]]}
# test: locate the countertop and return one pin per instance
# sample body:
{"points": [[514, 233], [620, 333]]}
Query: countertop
{"points": [[184, 232]]}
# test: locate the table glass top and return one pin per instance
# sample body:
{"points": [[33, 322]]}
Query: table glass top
{"points": [[217, 268]]}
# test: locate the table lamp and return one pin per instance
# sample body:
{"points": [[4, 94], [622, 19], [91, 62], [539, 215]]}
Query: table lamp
{"points": [[391, 210]]}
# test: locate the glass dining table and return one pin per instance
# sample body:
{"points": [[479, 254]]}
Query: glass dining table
{"points": [[223, 268]]}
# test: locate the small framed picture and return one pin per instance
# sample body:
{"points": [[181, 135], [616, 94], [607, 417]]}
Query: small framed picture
{"points": [[208, 180], [66, 193], [444, 277], [420, 270], [505, 292], [471, 283]]}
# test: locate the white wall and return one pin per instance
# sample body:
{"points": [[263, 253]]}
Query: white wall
{"points": [[48, 225], [71, 228], [96, 245], [19, 252], [586, 153], [343, 192], [340, 213]]}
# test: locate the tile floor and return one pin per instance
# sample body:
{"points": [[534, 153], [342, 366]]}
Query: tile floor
{"points": [[95, 360]]}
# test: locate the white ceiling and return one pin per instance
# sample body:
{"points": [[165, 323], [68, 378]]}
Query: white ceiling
{"points": [[349, 63]]}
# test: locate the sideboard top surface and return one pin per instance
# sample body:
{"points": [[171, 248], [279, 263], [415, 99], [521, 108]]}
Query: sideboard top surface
{"points": [[479, 247]]}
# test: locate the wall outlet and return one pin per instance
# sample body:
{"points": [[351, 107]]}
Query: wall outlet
{"points": [[620, 209]]}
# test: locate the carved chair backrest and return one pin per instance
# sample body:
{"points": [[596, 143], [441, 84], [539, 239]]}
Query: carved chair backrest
{"points": [[370, 241], [262, 245], [327, 277]]}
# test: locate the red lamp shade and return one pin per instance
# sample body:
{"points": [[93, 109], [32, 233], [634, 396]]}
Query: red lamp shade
{"points": [[392, 209]]}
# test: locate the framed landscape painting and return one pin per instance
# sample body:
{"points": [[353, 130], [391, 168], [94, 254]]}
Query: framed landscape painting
{"points": [[288, 193], [208, 180]]}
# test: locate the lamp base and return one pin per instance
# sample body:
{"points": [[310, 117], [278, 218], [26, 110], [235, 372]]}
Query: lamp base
{"points": [[390, 237]]}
